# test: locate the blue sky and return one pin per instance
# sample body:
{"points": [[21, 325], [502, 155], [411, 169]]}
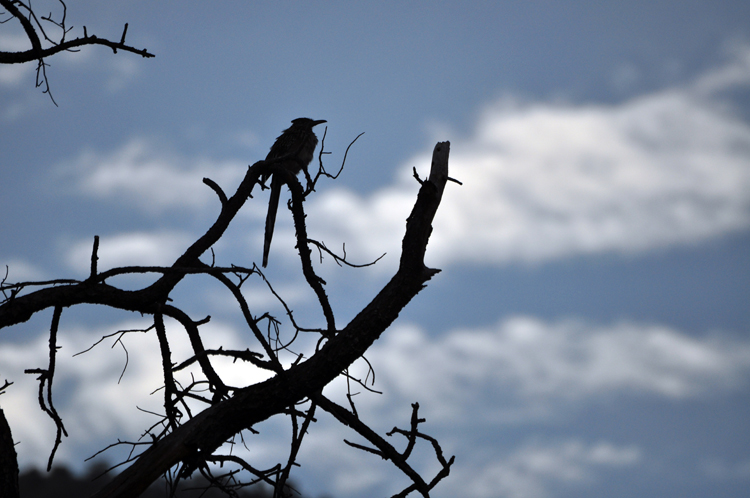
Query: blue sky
{"points": [[589, 332]]}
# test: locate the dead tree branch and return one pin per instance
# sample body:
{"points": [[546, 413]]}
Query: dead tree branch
{"points": [[191, 439], [34, 28]]}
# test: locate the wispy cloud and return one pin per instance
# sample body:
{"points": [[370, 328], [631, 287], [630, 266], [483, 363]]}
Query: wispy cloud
{"points": [[531, 365], [96, 404], [19, 270], [537, 470], [545, 180], [534, 468], [130, 249], [541, 180], [17, 81], [466, 380], [12, 75], [522, 372], [147, 177]]}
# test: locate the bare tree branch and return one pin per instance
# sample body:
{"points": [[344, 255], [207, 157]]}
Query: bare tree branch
{"points": [[8, 458], [34, 27], [37, 52], [189, 440], [46, 376]]}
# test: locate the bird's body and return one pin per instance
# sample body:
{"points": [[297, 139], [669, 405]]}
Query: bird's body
{"points": [[294, 151]]}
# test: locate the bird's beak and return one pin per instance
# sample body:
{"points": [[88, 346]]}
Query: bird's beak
{"points": [[320, 121]]}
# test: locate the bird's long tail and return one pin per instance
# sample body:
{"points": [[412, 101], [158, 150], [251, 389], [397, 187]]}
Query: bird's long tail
{"points": [[273, 206]]}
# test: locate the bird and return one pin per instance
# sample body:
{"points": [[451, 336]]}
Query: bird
{"points": [[294, 150]]}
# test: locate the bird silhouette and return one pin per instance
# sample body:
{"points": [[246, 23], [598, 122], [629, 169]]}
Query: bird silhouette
{"points": [[294, 151]]}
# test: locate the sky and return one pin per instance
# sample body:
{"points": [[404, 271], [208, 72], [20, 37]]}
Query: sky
{"points": [[589, 333]]}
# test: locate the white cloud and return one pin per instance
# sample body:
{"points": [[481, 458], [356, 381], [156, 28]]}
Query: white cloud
{"points": [[19, 270], [334, 467], [14, 42], [12, 75], [462, 380], [129, 249], [520, 372], [522, 365], [540, 180], [151, 179], [16, 74], [736, 73], [120, 69], [17, 81], [95, 407], [536, 470], [544, 181]]}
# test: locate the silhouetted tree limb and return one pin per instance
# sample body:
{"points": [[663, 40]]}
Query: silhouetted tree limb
{"points": [[211, 428], [8, 458], [34, 28], [192, 443]]}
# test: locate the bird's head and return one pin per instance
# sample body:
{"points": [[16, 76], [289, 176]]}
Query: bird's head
{"points": [[307, 122]]}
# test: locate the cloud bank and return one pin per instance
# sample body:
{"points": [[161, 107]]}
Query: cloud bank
{"points": [[520, 371], [544, 181], [524, 367], [541, 181], [515, 377], [148, 178], [538, 470], [129, 249]]}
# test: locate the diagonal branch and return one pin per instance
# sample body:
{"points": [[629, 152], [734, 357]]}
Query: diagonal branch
{"points": [[203, 434], [384, 449], [18, 309]]}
